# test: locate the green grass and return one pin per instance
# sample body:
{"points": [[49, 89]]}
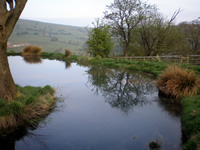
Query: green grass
{"points": [[44, 35], [191, 122], [151, 67], [33, 104]]}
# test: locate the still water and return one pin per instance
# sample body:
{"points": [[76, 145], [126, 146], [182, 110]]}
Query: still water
{"points": [[99, 109]]}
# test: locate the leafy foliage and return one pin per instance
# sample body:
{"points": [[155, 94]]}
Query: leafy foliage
{"points": [[100, 41]]}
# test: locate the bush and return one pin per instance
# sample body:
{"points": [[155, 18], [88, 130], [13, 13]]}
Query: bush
{"points": [[177, 82], [68, 53], [32, 51], [98, 57]]}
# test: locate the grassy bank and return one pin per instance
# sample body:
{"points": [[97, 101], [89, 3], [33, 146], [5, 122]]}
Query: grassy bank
{"points": [[191, 122], [32, 105]]}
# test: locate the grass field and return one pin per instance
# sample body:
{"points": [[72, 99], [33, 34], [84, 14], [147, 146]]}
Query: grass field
{"points": [[50, 37]]}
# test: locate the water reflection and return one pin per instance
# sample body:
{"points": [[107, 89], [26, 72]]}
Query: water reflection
{"points": [[67, 64], [88, 121], [33, 59], [8, 140], [173, 109], [120, 88]]}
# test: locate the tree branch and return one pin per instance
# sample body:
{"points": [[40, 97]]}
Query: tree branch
{"points": [[14, 14]]}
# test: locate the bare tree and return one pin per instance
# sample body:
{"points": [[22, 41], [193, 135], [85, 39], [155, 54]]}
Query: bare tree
{"points": [[124, 16], [154, 30], [192, 33], [10, 10]]}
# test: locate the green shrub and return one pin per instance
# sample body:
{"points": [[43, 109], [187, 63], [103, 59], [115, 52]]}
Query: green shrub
{"points": [[191, 145], [98, 57]]}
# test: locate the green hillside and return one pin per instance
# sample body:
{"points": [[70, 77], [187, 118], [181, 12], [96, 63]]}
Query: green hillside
{"points": [[51, 37]]}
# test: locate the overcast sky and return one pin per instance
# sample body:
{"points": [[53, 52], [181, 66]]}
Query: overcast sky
{"points": [[83, 12]]}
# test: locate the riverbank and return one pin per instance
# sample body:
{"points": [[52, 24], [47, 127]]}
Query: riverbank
{"points": [[190, 105], [27, 110]]}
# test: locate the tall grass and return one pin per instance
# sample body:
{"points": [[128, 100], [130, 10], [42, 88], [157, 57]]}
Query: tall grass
{"points": [[178, 82], [32, 104], [32, 51], [68, 53]]}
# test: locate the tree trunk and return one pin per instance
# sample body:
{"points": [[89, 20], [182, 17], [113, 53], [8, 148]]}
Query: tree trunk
{"points": [[8, 88], [126, 50], [10, 10]]}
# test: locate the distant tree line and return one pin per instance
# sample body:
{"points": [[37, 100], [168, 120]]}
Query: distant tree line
{"points": [[141, 30]]}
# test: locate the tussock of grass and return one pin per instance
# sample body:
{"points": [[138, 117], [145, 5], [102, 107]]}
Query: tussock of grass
{"points": [[31, 51], [178, 82], [68, 53], [33, 104]]}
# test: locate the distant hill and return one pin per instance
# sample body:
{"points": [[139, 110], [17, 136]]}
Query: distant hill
{"points": [[51, 37]]}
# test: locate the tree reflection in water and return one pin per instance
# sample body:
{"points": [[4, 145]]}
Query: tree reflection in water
{"points": [[121, 89]]}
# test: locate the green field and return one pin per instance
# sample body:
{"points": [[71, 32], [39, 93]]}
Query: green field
{"points": [[51, 37]]}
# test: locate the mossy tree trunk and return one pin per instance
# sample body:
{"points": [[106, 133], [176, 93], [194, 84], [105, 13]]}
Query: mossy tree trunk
{"points": [[10, 10], [8, 89]]}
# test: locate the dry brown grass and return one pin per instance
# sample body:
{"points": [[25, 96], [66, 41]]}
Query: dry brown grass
{"points": [[30, 114], [8, 121], [32, 51], [40, 109], [179, 82], [68, 53]]}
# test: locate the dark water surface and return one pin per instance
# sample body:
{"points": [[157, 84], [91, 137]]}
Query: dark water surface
{"points": [[101, 109]]}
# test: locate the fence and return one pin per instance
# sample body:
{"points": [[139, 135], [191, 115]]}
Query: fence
{"points": [[191, 59]]}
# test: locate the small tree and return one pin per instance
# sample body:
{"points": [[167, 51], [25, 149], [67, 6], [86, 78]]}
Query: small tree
{"points": [[100, 40]]}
